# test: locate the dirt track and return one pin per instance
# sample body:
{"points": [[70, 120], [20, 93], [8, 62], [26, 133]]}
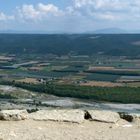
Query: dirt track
{"points": [[40, 130]]}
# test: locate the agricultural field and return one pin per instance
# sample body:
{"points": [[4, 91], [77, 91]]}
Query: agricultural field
{"points": [[78, 66], [96, 77], [71, 69]]}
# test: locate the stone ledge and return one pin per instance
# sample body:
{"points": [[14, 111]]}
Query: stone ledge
{"points": [[13, 115], [68, 115], [75, 116], [104, 116]]}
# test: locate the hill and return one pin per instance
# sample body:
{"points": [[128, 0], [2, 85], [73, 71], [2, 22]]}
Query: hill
{"points": [[62, 44]]}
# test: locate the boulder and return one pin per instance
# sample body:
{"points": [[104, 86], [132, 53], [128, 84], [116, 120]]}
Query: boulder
{"points": [[103, 116], [130, 117], [75, 116], [13, 115], [136, 117], [126, 116]]}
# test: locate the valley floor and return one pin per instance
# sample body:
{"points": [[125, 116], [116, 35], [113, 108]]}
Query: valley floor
{"points": [[41, 130]]}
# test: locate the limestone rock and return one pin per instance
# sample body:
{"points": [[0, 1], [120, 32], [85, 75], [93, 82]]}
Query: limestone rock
{"points": [[104, 116], [136, 118], [13, 115], [126, 116], [75, 116], [130, 117]]}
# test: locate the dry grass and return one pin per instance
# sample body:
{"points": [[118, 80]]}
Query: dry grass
{"points": [[29, 80], [133, 84], [112, 69], [101, 68], [35, 68], [101, 84]]}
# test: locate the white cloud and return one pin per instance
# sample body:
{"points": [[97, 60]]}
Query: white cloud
{"points": [[38, 12], [102, 4], [107, 16], [27, 12], [78, 15], [49, 8], [4, 17], [93, 9], [108, 9]]}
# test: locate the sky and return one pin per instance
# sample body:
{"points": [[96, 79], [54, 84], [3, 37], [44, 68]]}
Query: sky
{"points": [[72, 16]]}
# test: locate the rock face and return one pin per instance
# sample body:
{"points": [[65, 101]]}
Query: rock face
{"points": [[13, 115], [104, 116], [68, 115], [130, 117], [135, 117], [75, 116], [126, 116]]}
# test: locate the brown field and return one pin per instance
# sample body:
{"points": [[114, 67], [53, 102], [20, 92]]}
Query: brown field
{"points": [[127, 81], [43, 64], [70, 79], [58, 67], [101, 68], [5, 58], [133, 84], [35, 68], [29, 80], [112, 69], [101, 84]]}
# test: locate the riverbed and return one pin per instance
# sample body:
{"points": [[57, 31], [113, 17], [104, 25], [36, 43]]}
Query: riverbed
{"points": [[34, 100]]}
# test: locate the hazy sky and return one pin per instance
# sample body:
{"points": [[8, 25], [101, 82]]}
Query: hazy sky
{"points": [[69, 15]]}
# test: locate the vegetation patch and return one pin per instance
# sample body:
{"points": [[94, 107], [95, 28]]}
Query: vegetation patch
{"points": [[110, 94]]}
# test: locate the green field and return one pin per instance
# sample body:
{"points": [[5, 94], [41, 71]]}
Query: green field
{"points": [[102, 77]]}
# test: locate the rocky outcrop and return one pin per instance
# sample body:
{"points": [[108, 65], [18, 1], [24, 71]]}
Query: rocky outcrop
{"points": [[13, 115], [64, 115], [76, 116], [126, 116], [130, 117], [103, 116]]}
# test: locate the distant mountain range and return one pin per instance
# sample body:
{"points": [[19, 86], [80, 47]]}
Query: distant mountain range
{"points": [[79, 44], [110, 31], [99, 31]]}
